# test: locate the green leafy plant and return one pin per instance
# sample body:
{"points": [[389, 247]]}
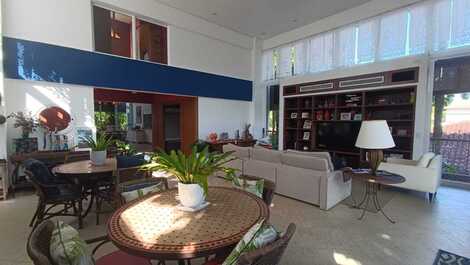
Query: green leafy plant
{"points": [[25, 121], [125, 148], [101, 143], [102, 119], [194, 168]]}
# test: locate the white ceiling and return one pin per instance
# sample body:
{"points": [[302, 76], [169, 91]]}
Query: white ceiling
{"points": [[262, 18]]}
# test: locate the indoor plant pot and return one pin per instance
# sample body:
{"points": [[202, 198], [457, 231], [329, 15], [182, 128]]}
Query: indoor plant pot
{"points": [[98, 158], [192, 171], [190, 195]]}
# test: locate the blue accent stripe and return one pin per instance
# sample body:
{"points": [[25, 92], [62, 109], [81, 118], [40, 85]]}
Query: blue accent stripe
{"points": [[29, 60]]}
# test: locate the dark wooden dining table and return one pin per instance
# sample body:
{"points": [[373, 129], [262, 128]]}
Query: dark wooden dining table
{"points": [[87, 175], [155, 228]]}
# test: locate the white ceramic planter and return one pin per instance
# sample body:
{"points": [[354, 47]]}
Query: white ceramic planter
{"points": [[190, 195], [98, 158]]}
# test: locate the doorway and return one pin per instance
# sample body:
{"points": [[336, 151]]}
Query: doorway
{"points": [[450, 118], [171, 124]]}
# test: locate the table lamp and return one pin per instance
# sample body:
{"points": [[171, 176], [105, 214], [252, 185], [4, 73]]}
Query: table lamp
{"points": [[374, 136]]}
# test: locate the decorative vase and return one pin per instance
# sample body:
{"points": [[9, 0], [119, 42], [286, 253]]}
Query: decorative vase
{"points": [[98, 158], [190, 195]]}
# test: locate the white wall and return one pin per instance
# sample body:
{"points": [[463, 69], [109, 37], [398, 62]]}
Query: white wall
{"points": [[65, 23], [33, 97], [220, 115], [198, 52], [3, 132], [423, 95], [194, 43]]}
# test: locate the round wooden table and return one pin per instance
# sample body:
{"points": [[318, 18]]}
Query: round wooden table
{"points": [[85, 169], [87, 175], [154, 228], [372, 183]]}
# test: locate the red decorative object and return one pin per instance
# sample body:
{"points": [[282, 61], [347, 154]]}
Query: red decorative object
{"points": [[54, 119]]}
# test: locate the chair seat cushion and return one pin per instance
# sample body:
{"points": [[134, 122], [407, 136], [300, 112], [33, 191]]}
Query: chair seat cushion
{"points": [[258, 236], [122, 258], [130, 161], [138, 190], [255, 187], [67, 248]]}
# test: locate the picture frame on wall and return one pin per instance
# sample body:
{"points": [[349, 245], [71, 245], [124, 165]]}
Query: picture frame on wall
{"points": [[345, 116], [306, 136], [81, 134]]}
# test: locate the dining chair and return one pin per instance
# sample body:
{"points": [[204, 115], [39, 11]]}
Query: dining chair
{"points": [[39, 242], [52, 194], [268, 189], [270, 254]]}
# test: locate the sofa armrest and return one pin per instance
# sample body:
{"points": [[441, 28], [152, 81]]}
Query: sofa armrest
{"points": [[430, 175], [402, 161], [333, 189]]}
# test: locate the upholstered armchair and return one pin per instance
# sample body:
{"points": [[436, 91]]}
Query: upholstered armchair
{"points": [[421, 175]]}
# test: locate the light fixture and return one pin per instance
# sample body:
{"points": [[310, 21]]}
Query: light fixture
{"points": [[375, 136], [114, 34]]}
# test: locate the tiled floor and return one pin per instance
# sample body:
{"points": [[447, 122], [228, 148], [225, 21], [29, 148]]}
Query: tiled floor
{"points": [[323, 237]]}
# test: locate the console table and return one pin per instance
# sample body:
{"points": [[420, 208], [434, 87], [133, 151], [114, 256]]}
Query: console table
{"points": [[217, 146]]}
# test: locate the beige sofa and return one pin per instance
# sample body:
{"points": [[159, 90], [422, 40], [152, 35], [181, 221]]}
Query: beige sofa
{"points": [[305, 176]]}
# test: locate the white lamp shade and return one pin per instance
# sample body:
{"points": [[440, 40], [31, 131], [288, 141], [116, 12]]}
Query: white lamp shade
{"points": [[374, 135]]}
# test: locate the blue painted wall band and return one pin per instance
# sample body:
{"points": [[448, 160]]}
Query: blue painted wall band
{"points": [[29, 60]]}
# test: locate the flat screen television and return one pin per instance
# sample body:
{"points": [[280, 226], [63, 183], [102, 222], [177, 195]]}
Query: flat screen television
{"points": [[338, 136]]}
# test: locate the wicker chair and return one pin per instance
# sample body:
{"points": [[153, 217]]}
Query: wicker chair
{"points": [[40, 239], [268, 255], [52, 194], [268, 189]]}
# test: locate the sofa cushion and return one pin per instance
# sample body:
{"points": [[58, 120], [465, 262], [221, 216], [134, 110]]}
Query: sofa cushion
{"points": [[138, 190], [307, 162], [436, 162], [266, 155], [67, 248], [324, 155], [255, 187], [425, 159], [240, 152]]}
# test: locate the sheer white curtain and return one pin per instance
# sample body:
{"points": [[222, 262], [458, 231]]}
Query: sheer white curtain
{"points": [[460, 23], [320, 53], [367, 41], [300, 57], [285, 61], [267, 65], [418, 29], [345, 39], [393, 35]]}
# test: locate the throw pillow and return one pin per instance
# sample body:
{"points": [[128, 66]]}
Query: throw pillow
{"points": [[258, 236], [67, 248], [252, 186], [425, 159], [136, 191]]}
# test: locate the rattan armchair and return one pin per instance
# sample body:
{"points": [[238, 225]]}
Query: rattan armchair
{"points": [[270, 254], [52, 194], [40, 239]]}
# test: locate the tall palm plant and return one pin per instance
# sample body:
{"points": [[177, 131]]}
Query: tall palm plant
{"points": [[194, 168]]}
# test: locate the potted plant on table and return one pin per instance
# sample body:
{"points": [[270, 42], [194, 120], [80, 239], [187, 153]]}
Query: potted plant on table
{"points": [[98, 147], [192, 171]]}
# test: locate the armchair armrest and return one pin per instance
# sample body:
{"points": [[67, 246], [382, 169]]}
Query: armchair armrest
{"points": [[402, 161], [101, 240]]}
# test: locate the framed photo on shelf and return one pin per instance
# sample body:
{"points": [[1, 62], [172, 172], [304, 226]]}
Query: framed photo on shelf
{"points": [[305, 115], [402, 132], [345, 116], [293, 115], [306, 136], [307, 124], [357, 117]]}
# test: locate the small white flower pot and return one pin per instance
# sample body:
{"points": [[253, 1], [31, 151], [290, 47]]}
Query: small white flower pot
{"points": [[98, 158], [190, 195]]}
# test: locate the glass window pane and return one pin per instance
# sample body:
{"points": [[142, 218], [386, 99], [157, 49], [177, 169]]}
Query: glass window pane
{"points": [[112, 32], [151, 42], [441, 25], [460, 23], [418, 29], [285, 61]]}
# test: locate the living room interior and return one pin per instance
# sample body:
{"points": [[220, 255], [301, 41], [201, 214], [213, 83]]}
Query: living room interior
{"points": [[227, 132]]}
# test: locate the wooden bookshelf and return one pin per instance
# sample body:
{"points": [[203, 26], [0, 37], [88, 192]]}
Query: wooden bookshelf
{"points": [[303, 114]]}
